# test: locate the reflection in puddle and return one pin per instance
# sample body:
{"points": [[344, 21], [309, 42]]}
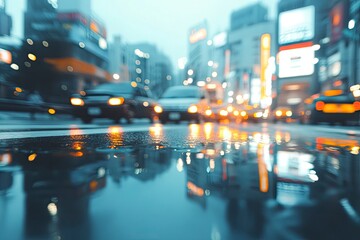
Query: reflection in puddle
{"points": [[244, 184]]}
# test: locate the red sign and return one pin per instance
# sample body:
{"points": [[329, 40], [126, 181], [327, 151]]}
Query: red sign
{"points": [[337, 22]]}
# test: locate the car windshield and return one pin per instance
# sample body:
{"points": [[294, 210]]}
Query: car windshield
{"points": [[182, 92], [114, 88], [338, 99]]}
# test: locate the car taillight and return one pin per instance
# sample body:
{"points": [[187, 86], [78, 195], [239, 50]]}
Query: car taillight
{"points": [[77, 102], [357, 106], [116, 101], [320, 106]]}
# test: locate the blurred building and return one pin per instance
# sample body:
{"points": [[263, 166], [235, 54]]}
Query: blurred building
{"points": [[118, 62], [218, 56], [65, 51], [5, 20], [247, 16], [198, 54], [354, 39], [150, 67], [251, 65], [9, 57], [10, 76], [304, 43]]}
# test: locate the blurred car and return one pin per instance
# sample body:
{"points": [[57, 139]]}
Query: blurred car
{"points": [[114, 101], [252, 114], [224, 112], [282, 114], [180, 103], [329, 109]]}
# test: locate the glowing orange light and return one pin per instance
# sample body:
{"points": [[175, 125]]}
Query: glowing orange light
{"points": [[198, 35], [195, 189], [357, 106], [32, 157], [336, 19], [93, 185], [320, 106], [51, 111]]}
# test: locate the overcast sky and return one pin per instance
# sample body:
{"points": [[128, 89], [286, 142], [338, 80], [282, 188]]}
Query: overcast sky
{"points": [[162, 22]]}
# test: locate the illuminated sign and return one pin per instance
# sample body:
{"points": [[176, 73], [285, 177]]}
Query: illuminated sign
{"points": [[295, 165], [334, 65], [227, 62], [255, 89], [337, 22], [264, 61], [297, 25], [53, 3], [220, 39], [5, 56], [296, 61], [198, 35]]}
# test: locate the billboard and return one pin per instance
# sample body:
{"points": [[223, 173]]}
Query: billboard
{"points": [[297, 25], [296, 60], [220, 39], [264, 60], [197, 35]]}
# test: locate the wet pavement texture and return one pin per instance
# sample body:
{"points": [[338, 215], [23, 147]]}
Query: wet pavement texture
{"points": [[192, 182]]}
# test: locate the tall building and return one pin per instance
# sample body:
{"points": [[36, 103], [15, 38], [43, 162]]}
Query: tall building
{"points": [[65, 51], [198, 54], [5, 20], [251, 65], [118, 62], [354, 32], [247, 16], [150, 67]]}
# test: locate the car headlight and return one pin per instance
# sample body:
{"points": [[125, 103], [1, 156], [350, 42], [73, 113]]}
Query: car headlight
{"points": [[289, 113], [116, 101], [158, 109], [278, 113], [258, 115], [224, 113], [193, 109], [243, 113], [208, 112], [77, 102]]}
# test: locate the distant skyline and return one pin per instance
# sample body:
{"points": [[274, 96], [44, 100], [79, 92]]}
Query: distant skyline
{"points": [[163, 23]]}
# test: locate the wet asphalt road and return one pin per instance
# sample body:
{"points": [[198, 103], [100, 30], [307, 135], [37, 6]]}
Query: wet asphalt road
{"points": [[208, 181]]}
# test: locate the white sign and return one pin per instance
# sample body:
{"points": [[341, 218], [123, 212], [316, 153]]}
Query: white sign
{"points": [[220, 39], [296, 62], [297, 25], [255, 91], [334, 63]]}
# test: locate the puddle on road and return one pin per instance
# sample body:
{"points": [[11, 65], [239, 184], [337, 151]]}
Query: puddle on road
{"points": [[202, 182]]}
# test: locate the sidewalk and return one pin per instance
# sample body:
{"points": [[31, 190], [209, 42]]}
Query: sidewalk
{"points": [[37, 116]]}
